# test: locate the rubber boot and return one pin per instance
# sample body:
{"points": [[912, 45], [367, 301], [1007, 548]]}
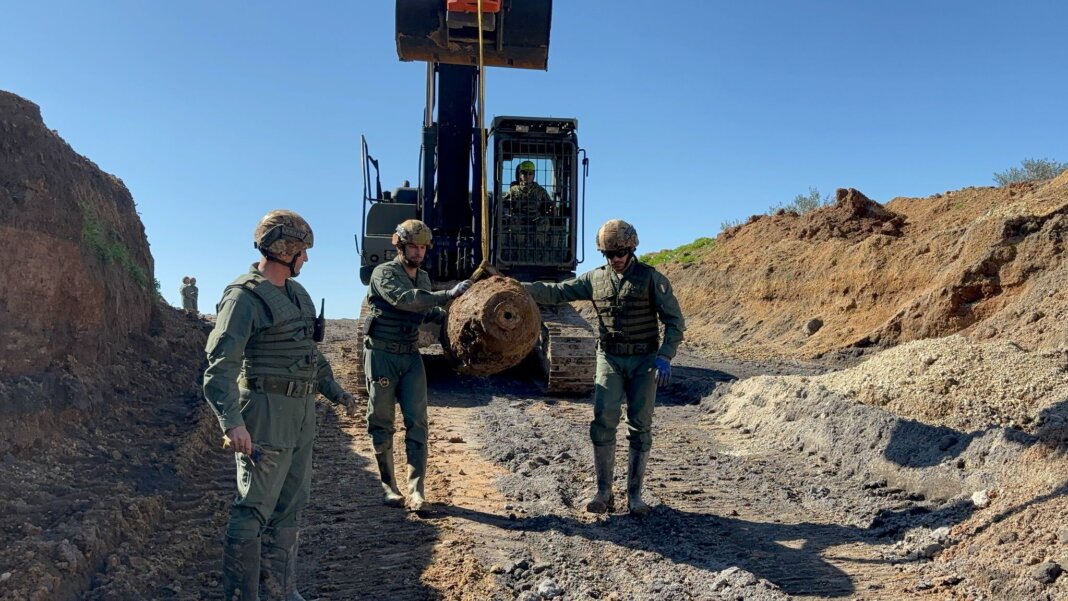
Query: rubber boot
{"points": [[278, 571], [241, 569], [636, 461], [391, 495], [604, 461], [416, 477]]}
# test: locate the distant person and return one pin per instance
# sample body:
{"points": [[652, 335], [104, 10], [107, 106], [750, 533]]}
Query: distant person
{"points": [[632, 299], [526, 196], [527, 208], [190, 293], [400, 298], [264, 369]]}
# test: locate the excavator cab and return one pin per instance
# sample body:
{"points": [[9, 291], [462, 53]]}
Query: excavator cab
{"points": [[515, 32], [535, 197]]}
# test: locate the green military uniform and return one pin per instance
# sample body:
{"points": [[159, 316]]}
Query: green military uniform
{"points": [[394, 369], [528, 199], [189, 293], [629, 306], [527, 213], [263, 371]]}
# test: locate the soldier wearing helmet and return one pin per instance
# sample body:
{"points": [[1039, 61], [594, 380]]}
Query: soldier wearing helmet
{"points": [[527, 208], [190, 293], [632, 300], [526, 196], [399, 297], [264, 370]]}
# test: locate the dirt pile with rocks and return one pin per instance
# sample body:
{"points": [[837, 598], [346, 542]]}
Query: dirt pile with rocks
{"points": [[103, 429], [77, 273], [977, 429], [987, 262]]}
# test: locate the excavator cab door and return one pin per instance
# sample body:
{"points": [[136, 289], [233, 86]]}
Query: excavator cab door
{"points": [[515, 32]]}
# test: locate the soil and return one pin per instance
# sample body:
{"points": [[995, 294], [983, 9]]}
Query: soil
{"points": [[912, 446]]}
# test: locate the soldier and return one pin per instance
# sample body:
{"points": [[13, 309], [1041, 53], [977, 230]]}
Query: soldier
{"points": [[526, 196], [264, 369], [190, 293], [400, 299], [527, 209], [182, 293], [629, 297]]}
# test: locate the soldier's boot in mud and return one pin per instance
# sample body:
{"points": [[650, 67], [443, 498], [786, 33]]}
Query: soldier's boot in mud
{"points": [[391, 495], [604, 462], [636, 461], [278, 570], [416, 478], [241, 569]]}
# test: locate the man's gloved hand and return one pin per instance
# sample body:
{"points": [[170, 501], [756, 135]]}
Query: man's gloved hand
{"points": [[663, 371], [458, 289], [349, 402]]}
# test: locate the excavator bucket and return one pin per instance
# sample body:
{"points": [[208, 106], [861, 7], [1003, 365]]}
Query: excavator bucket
{"points": [[515, 33]]}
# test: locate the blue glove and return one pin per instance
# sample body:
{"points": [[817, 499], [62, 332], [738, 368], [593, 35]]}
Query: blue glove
{"points": [[458, 289], [663, 371]]}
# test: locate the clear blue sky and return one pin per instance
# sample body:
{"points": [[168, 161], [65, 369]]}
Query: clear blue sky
{"points": [[213, 113]]}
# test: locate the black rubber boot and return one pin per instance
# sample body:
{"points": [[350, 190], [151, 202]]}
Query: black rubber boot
{"points": [[278, 574], [636, 461], [241, 569], [604, 462]]}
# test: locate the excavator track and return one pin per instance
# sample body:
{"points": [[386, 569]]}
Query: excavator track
{"points": [[568, 351], [360, 376]]}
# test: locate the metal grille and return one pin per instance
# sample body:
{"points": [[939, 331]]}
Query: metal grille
{"points": [[535, 216]]}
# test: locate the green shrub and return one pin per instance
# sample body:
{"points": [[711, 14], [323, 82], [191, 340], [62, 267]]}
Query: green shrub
{"points": [[803, 203], [109, 248], [1032, 170], [686, 253]]}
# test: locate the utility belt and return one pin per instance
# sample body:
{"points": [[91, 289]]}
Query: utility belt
{"points": [[630, 348], [281, 386], [390, 346]]}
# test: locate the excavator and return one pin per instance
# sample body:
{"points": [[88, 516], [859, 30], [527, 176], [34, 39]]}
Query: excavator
{"points": [[529, 242]]}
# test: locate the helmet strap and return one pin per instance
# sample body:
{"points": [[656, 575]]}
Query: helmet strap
{"points": [[291, 264]]}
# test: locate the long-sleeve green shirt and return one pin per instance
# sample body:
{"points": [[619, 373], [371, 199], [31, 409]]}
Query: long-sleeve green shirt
{"points": [[581, 289], [241, 314], [391, 284]]}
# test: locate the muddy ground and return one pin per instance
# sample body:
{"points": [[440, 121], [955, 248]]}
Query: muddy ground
{"points": [[739, 513]]}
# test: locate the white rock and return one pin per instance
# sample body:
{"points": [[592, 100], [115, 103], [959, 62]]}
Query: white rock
{"points": [[548, 589], [981, 499]]}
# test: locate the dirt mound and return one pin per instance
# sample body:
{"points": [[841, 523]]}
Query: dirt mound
{"points": [[76, 262], [103, 431], [985, 261], [996, 495], [79, 293]]}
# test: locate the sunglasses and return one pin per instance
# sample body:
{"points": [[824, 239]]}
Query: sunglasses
{"points": [[526, 173], [615, 254]]}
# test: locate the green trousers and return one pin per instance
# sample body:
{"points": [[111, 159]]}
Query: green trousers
{"points": [[619, 377], [396, 378], [273, 491]]}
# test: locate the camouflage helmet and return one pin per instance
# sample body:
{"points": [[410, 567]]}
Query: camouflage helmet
{"points": [[525, 166], [282, 232], [617, 234], [413, 231]]}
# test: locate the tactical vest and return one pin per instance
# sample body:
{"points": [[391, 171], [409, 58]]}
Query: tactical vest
{"points": [[284, 351], [627, 316], [386, 323]]}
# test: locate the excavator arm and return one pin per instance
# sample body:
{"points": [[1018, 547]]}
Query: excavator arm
{"points": [[515, 32]]}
